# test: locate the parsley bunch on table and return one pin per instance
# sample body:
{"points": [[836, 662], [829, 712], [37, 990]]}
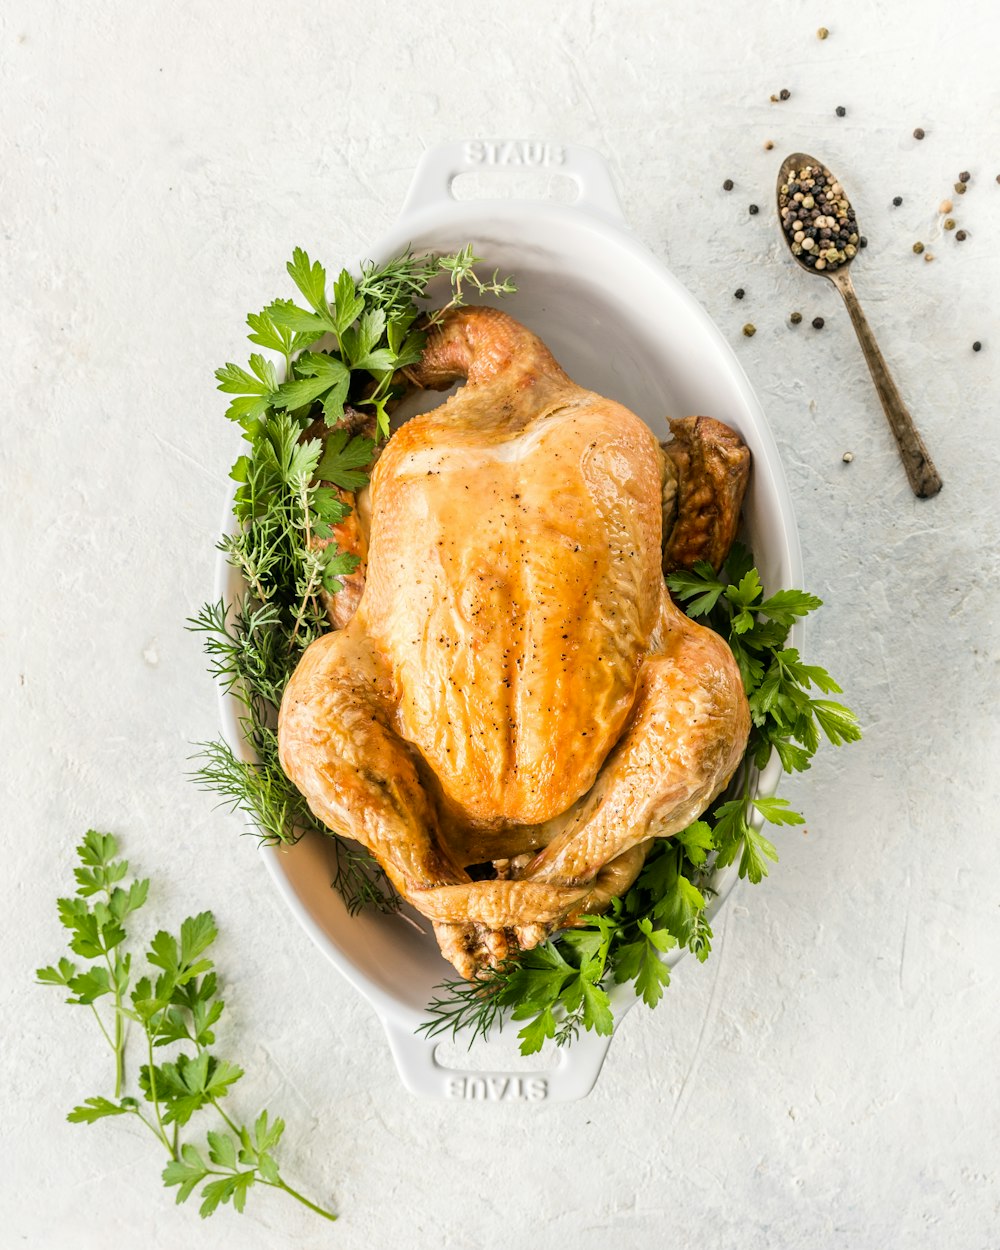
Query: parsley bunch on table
{"points": [[562, 986], [342, 344], [175, 1002]]}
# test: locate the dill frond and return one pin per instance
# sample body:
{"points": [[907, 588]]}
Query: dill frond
{"points": [[473, 1006]]}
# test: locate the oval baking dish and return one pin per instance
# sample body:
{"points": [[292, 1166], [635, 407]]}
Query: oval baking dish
{"points": [[621, 325]]}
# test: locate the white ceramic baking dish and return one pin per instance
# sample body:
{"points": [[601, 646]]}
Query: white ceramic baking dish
{"points": [[620, 324]]}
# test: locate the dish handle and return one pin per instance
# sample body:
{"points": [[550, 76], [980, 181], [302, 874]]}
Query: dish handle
{"points": [[573, 1076], [439, 166]]}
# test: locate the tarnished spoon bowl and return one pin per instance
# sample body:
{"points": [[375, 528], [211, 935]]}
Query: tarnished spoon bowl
{"points": [[920, 470]]}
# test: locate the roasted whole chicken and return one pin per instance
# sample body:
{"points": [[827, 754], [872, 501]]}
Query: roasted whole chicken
{"points": [[510, 706]]}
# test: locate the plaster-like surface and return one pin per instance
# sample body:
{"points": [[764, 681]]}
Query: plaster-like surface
{"points": [[830, 1078]]}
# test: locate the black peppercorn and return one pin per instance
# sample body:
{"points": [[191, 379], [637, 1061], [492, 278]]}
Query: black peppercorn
{"points": [[739, 293], [964, 176], [960, 236], [754, 210], [977, 346], [918, 133], [863, 241], [727, 185], [897, 200], [841, 111], [784, 93], [818, 323]]}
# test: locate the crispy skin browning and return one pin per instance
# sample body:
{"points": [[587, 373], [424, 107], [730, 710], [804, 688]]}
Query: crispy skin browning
{"points": [[515, 683], [706, 470], [685, 737]]}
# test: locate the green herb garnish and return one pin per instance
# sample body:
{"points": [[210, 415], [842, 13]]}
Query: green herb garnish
{"points": [[175, 1003], [344, 349], [562, 986]]}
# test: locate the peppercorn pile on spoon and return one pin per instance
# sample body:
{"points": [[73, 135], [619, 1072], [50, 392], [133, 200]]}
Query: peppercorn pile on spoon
{"points": [[820, 228]]}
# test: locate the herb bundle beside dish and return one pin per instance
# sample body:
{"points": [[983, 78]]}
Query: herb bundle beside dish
{"points": [[175, 1003]]}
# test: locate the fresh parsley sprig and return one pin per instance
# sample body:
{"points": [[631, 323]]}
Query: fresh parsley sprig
{"points": [[786, 717], [563, 985], [368, 326], [174, 1003], [345, 345]]}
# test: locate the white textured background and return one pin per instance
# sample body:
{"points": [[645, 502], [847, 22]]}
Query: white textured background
{"points": [[830, 1078]]}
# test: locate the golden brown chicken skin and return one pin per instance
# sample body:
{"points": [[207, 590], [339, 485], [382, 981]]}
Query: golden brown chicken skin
{"points": [[515, 685]]}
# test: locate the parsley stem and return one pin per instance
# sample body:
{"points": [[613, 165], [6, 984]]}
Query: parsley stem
{"points": [[152, 1128], [119, 1043], [156, 1102], [230, 1124], [118, 1046], [278, 1184], [294, 1193], [100, 1025]]}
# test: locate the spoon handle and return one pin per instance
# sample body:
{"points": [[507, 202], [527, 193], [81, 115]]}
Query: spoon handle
{"points": [[919, 467]]}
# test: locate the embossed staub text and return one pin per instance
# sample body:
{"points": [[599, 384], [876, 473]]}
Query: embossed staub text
{"points": [[498, 1088], [514, 152]]}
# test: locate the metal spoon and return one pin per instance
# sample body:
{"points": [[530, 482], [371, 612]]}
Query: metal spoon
{"points": [[919, 467]]}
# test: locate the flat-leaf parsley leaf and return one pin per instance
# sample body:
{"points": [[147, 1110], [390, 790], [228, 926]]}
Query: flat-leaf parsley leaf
{"points": [[174, 1003]]}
